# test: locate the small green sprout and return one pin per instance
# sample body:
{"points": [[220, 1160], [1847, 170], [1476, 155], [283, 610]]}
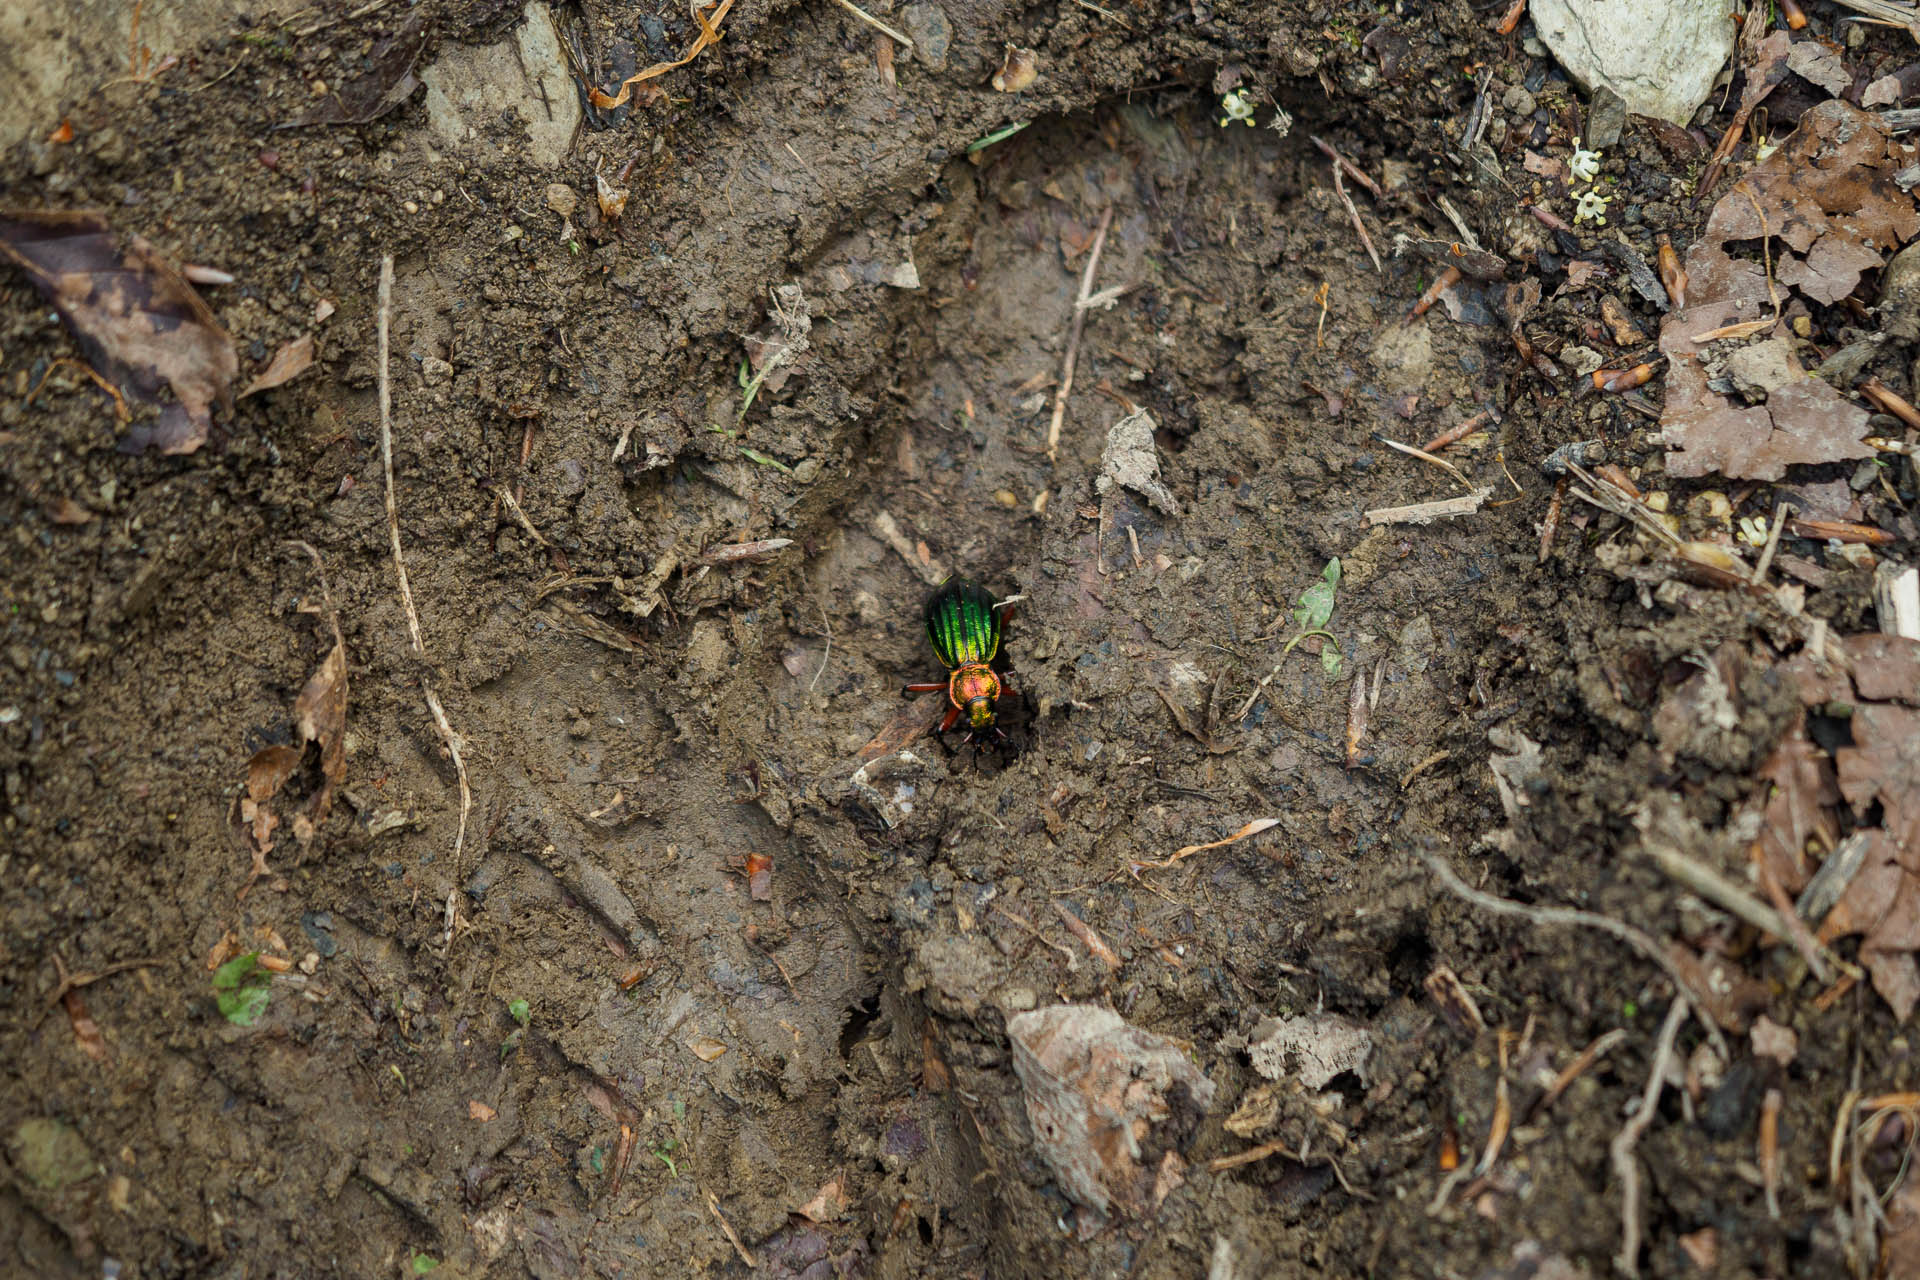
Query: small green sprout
{"points": [[241, 989], [519, 1011], [1312, 613], [420, 1264], [660, 1153]]}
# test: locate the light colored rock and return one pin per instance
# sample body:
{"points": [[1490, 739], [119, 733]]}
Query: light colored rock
{"points": [[1662, 56], [469, 88]]}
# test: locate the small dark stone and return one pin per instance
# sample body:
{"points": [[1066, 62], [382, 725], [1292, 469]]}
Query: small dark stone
{"points": [[1606, 119], [1732, 1109]]}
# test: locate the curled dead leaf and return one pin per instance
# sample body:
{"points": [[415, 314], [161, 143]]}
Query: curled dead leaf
{"points": [[706, 1048], [140, 322], [288, 363]]}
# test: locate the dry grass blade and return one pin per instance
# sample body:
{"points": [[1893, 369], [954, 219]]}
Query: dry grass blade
{"points": [[1073, 336], [1253, 828], [709, 35]]}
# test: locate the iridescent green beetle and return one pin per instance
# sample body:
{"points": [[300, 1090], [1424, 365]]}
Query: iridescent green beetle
{"points": [[965, 631]]}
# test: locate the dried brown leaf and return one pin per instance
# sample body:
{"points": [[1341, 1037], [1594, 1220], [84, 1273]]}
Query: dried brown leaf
{"points": [[829, 1203], [1884, 764], [387, 82], [288, 363], [1094, 1087], [86, 1032], [1885, 668], [320, 715], [140, 322], [1828, 195], [1798, 789]]}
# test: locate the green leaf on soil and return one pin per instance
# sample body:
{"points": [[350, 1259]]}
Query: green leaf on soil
{"points": [[998, 135], [754, 455], [519, 1011], [241, 989], [1316, 602], [421, 1263]]}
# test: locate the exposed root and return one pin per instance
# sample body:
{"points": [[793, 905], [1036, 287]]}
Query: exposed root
{"points": [[1624, 1168], [434, 707]]}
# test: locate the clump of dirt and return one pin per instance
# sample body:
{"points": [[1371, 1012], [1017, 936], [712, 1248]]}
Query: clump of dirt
{"points": [[723, 972]]}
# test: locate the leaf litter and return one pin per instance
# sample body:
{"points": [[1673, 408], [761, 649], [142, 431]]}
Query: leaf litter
{"points": [[320, 720], [1823, 209], [138, 319], [1103, 1097]]}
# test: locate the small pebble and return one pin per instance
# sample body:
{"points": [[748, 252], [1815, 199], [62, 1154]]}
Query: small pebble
{"points": [[1006, 498], [410, 206]]}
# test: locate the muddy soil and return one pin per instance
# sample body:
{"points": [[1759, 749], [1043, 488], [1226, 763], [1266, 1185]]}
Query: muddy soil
{"points": [[599, 1037]]}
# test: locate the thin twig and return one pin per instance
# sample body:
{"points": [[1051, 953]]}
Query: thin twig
{"points": [[1624, 1168], [1578, 1067], [1724, 893], [874, 22], [1424, 456], [434, 708], [1359, 174], [713, 1207], [828, 655], [1780, 515], [1639, 941], [506, 495], [1073, 336], [1340, 189]]}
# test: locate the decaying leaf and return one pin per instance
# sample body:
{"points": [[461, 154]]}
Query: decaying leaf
{"points": [[320, 717], [140, 322], [1018, 70], [1313, 1048], [1131, 461], [1821, 210], [387, 82], [829, 1203], [288, 363], [706, 1048], [760, 877], [1095, 1086]]}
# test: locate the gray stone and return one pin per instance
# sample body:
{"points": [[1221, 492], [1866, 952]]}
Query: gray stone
{"points": [[1660, 56], [932, 35], [471, 87], [1517, 102], [1606, 119]]}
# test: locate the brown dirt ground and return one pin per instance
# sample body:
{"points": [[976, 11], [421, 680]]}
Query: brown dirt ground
{"points": [[624, 766]]}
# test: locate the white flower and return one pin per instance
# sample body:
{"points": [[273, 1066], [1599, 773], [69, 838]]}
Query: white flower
{"points": [[1239, 106], [1584, 165], [1592, 207]]}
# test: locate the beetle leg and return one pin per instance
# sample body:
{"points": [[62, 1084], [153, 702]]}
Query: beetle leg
{"points": [[912, 689], [953, 716]]}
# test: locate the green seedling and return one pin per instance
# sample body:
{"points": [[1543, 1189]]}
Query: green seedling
{"points": [[975, 147], [519, 1011], [419, 1263], [1312, 613], [754, 455], [240, 988], [660, 1153]]}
